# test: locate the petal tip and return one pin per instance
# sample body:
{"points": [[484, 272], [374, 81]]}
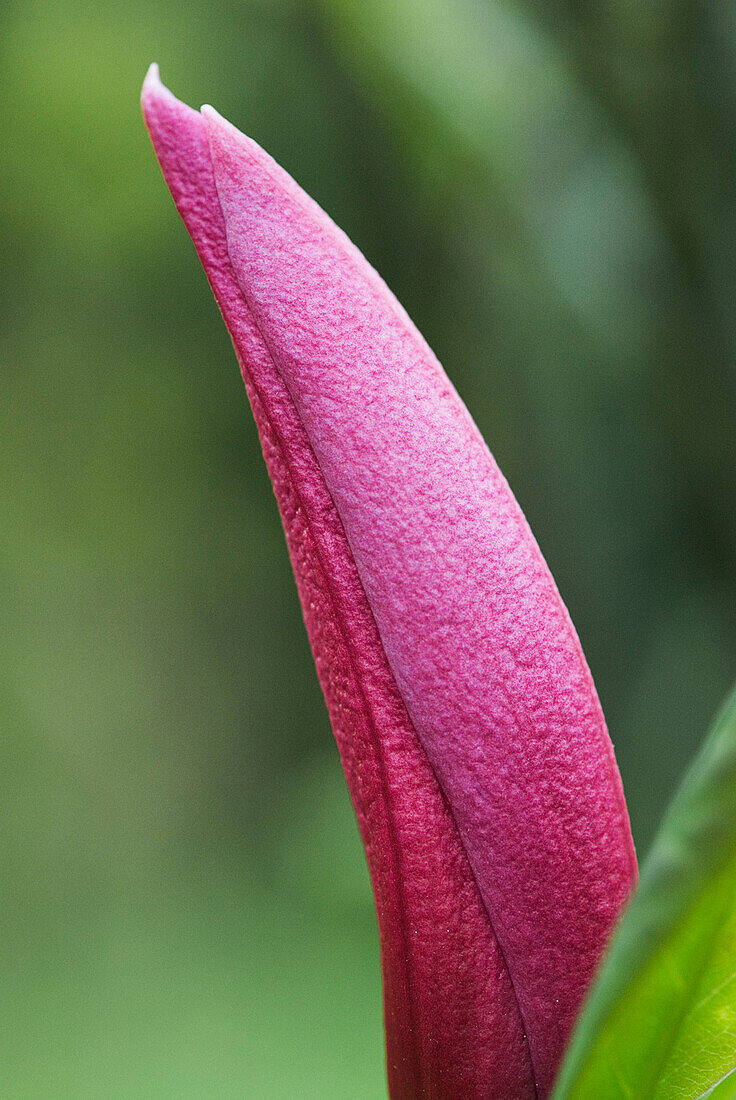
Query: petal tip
{"points": [[152, 83], [155, 96], [216, 122]]}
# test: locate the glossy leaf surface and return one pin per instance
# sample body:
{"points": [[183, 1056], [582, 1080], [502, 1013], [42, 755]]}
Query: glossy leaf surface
{"points": [[661, 1021]]}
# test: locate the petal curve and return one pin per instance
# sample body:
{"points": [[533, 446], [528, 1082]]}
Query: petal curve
{"points": [[470, 732]]}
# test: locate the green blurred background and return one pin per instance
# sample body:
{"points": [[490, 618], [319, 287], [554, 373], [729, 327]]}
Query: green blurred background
{"points": [[549, 189]]}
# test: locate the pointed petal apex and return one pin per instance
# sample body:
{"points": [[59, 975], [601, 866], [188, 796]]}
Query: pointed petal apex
{"points": [[152, 80]]}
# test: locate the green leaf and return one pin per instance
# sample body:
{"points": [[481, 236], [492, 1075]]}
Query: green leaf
{"points": [[660, 1023], [724, 1090]]}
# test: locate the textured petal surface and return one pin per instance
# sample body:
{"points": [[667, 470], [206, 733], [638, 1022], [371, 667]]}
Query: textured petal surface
{"points": [[469, 728]]}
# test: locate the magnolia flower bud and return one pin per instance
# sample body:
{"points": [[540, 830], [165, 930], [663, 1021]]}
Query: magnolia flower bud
{"points": [[470, 732]]}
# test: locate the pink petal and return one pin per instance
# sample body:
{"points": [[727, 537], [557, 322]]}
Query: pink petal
{"points": [[470, 731]]}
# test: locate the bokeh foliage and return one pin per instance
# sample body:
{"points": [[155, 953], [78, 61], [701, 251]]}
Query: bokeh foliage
{"points": [[549, 189]]}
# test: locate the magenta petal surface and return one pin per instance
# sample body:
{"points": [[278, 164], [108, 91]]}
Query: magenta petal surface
{"points": [[469, 728]]}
